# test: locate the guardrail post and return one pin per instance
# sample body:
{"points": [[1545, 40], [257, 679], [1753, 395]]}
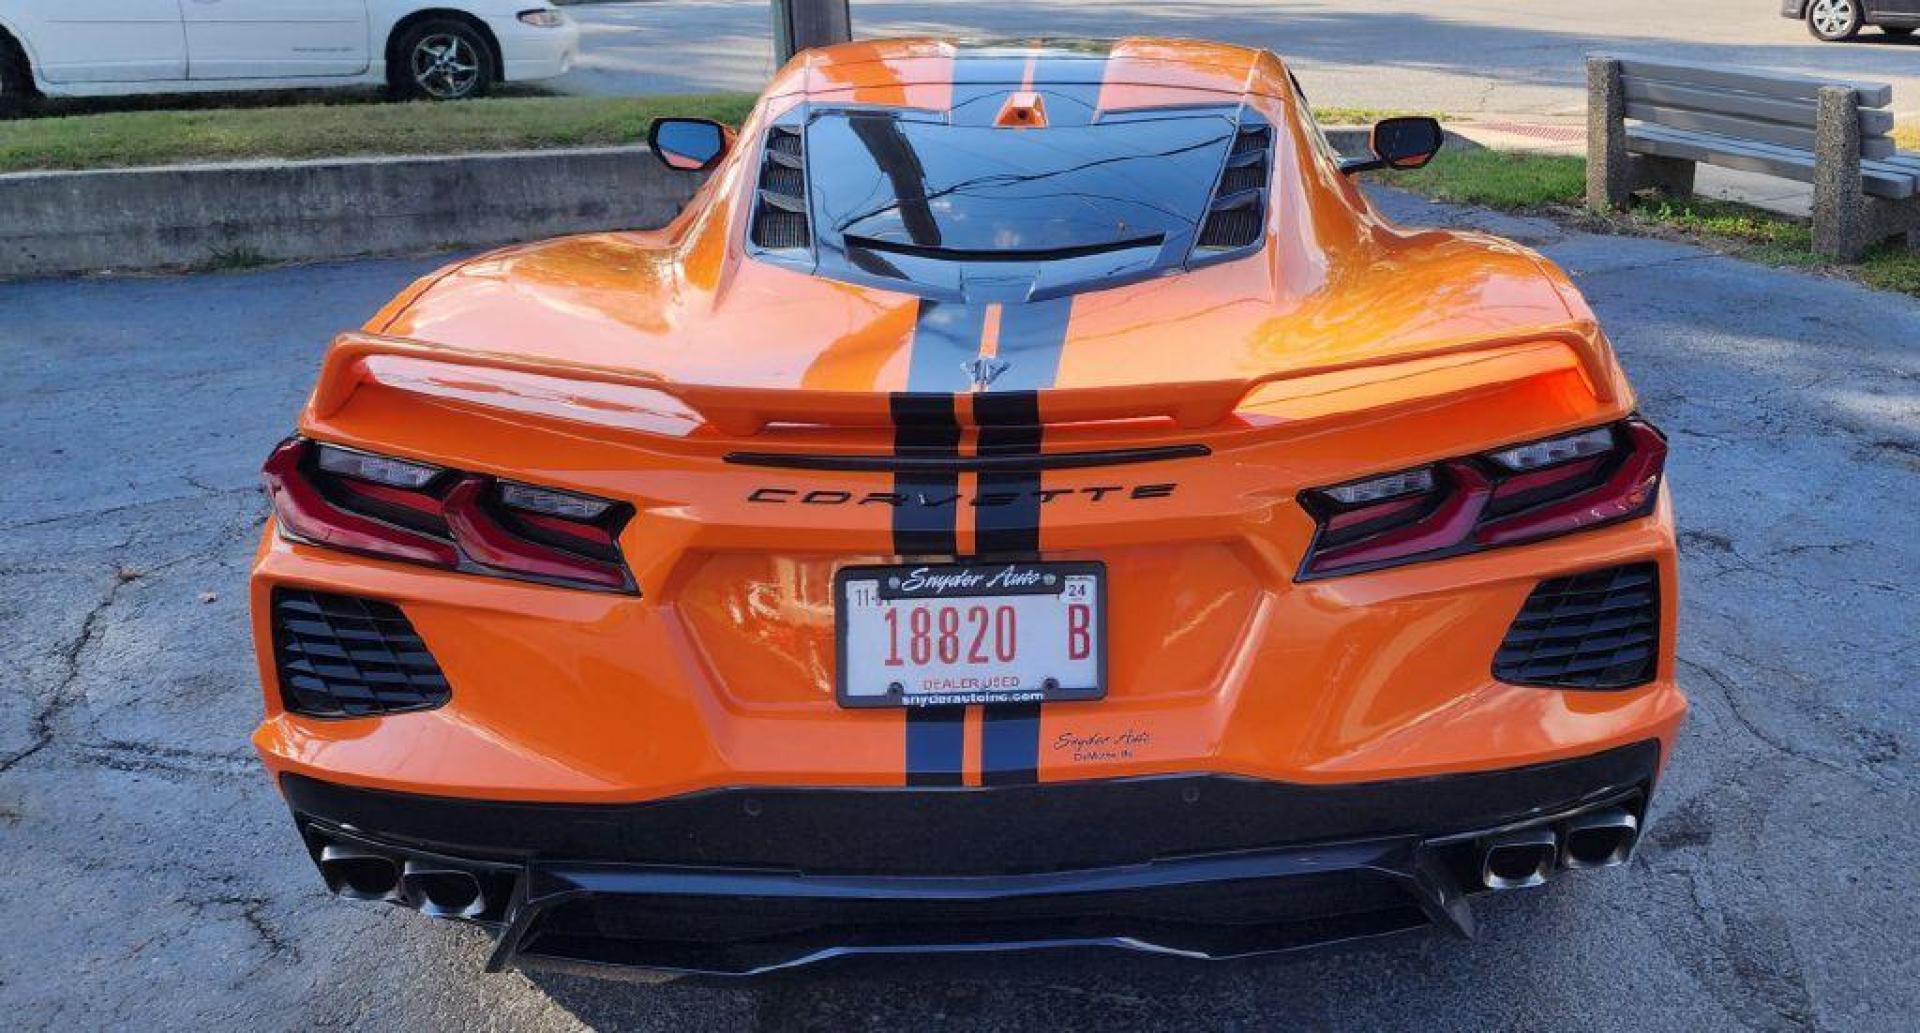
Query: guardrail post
{"points": [[800, 24], [1607, 173], [1839, 202]]}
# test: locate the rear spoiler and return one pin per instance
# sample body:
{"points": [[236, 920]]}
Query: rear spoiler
{"points": [[746, 411]]}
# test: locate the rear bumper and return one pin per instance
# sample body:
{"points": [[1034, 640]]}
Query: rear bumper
{"points": [[528, 53], [739, 881]]}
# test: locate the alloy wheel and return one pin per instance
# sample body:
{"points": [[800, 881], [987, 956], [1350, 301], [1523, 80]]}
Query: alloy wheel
{"points": [[1832, 19], [445, 66]]}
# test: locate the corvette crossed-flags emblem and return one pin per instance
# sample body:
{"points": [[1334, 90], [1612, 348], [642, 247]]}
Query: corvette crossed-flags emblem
{"points": [[982, 371]]}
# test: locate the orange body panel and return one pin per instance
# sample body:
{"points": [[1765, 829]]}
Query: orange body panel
{"points": [[626, 365]]}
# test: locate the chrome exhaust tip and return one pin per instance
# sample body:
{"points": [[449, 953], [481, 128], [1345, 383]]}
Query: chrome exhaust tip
{"points": [[1600, 840], [1517, 860], [360, 874], [443, 892]]}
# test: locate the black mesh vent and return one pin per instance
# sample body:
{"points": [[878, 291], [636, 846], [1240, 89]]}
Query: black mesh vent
{"points": [[1241, 178], [1231, 229], [1239, 203], [780, 213], [1598, 630], [343, 656]]}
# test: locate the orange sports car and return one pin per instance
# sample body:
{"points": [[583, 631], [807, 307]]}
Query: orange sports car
{"points": [[1028, 498]]}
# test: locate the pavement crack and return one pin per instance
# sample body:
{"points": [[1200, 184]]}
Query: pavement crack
{"points": [[122, 755], [1730, 692], [252, 911], [43, 726], [1720, 550], [1806, 547], [204, 492]]}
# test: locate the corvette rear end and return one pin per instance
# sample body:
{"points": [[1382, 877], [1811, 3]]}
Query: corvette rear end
{"points": [[1028, 499]]}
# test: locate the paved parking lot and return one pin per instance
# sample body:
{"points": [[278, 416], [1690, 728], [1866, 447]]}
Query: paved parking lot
{"points": [[150, 877], [1465, 57]]}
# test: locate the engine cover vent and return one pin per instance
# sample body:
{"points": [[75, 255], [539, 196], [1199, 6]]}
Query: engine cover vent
{"points": [[780, 207], [1239, 206]]}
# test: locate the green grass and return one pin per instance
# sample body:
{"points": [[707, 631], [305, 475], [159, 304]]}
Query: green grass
{"points": [[235, 260], [1498, 179], [326, 129], [1556, 185], [1364, 116]]}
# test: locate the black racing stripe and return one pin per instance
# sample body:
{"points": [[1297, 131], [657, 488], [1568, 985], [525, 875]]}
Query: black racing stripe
{"points": [[1072, 94], [1010, 744], [936, 744], [946, 337], [1007, 505], [981, 84], [1008, 524], [926, 425], [1032, 335]]}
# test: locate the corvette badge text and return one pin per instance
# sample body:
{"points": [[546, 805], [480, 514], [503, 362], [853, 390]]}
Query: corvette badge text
{"points": [[922, 500]]}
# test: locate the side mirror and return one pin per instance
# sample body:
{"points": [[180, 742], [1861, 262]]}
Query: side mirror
{"points": [[688, 144], [1403, 142]]}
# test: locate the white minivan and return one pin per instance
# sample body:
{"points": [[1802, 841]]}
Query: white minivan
{"points": [[439, 49]]}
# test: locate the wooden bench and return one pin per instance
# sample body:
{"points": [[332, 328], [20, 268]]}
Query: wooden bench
{"points": [[1649, 122]]}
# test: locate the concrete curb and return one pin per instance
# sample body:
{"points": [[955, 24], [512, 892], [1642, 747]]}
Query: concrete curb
{"points": [[54, 223]]}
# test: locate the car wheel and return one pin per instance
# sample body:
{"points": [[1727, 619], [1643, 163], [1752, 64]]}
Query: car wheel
{"points": [[441, 59], [1833, 20], [16, 84]]}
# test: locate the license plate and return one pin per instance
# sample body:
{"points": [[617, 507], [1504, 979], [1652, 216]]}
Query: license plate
{"points": [[950, 635]]}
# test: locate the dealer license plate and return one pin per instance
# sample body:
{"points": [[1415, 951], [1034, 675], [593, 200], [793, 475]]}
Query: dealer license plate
{"points": [[950, 635]]}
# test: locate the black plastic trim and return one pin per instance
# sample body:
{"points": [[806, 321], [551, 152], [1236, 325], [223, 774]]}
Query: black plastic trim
{"points": [[975, 830], [1545, 616], [1003, 254], [748, 923], [966, 464], [339, 656]]}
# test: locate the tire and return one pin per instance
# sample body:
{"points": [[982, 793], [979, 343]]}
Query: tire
{"points": [[16, 82], [441, 59], [1834, 20]]}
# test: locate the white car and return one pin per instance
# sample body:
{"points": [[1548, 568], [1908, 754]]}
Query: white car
{"points": [[441, 49]]}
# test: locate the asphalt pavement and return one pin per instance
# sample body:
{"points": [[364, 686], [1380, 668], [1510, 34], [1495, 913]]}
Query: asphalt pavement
{"points": [[1464, 57], [149, 875]]}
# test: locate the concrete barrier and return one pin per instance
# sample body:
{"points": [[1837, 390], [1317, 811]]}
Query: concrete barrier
{"points": [[54, 223]]}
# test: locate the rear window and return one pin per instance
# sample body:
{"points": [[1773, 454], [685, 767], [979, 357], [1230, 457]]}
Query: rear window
{"points": [[898, 181]]}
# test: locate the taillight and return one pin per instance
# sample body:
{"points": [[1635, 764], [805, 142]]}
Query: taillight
{"points": [[404, 510], [1505, 497]]}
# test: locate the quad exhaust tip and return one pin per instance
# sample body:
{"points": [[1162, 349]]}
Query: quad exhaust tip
{"points": [[360, 874], [1600, 840], [443, 892], [433, 889], [1517, 860]]}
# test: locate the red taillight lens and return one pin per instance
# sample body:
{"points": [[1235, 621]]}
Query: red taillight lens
{"points": [[1505, 497], [399, 509], [308, 514]]}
